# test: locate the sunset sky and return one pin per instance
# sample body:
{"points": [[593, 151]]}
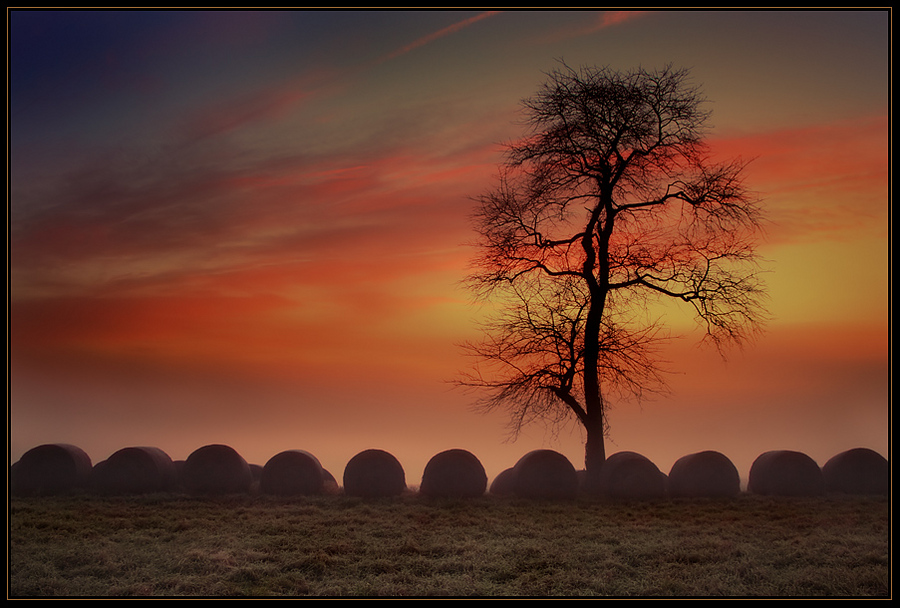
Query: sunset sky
{"points": [[250, 228]]}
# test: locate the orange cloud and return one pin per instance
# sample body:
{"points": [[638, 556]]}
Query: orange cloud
{"points": [[610, 18], [280, 324], [158, 220], [820, 181], [303, 266], [604, 20]]}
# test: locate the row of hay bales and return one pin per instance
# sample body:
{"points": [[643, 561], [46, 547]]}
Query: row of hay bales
{"points": [[457, 473]]}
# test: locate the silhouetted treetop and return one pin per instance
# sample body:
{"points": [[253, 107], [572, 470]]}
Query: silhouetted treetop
{"points": [[610, 202]]}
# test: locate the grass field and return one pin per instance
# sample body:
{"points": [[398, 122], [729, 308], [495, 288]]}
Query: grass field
{"points": [[174, 545]]}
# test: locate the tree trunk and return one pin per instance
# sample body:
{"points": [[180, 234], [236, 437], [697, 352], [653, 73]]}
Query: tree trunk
{"points": [[594, 451], [594, 448], [596, 260]]}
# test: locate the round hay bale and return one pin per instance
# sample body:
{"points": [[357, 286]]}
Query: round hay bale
{"points": [[583, 483], [504, 484], [374, 473], [330, 485], [179, 474], [255, 477], [630, 476], [53, 468], [704, 474], [13, 472], [785, 473], [292, 473], [545, 474], [454, 473], [216, 469], [135, 470], [857, 471]]}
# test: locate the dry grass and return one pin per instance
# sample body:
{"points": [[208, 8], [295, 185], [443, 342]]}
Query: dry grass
{"points": [[168, 545]]}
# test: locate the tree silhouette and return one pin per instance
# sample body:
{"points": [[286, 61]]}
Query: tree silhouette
{"points": [[610, 204]]}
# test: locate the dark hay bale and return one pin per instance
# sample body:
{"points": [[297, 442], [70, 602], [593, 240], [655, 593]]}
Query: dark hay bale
{"points": [[504, 484], [373, 474], [179, 474], [135, 470], [216, 469], [54, 468], [857, 471], [583, 484], [630, 476], [544, 474], [292, 473], [785, 473], [454, 473], [330, 485], [13, 470], [704, 474]]}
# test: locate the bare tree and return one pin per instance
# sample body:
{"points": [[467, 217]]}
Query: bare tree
{"points": [[608, 206]]}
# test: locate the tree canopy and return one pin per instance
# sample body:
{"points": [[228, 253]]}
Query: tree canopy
{"points": [[610, 203]]}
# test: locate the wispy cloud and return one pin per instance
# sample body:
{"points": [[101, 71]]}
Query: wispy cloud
{"points": [[450, 29], [214, 211], [604, 20], [819, 182], [249, 110], [610, 18]]}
